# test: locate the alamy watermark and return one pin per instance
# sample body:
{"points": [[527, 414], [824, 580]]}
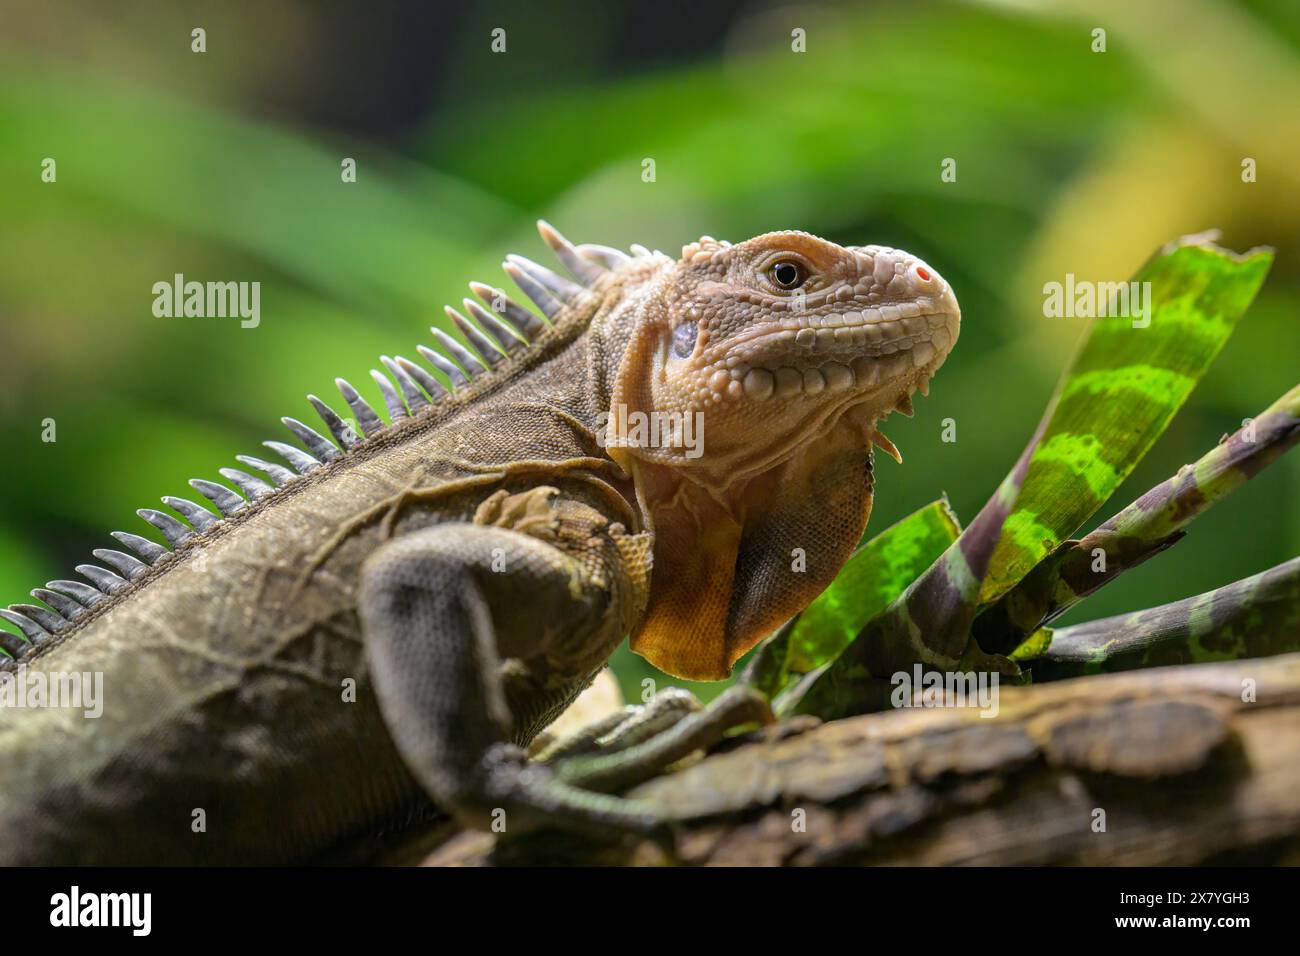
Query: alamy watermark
{"points": [[84, 690], [75, 908], [211, 300], [1081, 299], [930, 688], [632, 429]]}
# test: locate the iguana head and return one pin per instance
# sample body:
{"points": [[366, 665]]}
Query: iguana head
{"points": [[769, 343], [745, 403]]}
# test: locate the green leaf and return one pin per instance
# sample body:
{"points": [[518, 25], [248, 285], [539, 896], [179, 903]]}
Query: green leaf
{"points": [[872, 578], [1146, 527], [1255, 617], [1125, 384]]}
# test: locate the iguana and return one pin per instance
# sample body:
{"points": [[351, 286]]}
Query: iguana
{"points": [[680, 451]]}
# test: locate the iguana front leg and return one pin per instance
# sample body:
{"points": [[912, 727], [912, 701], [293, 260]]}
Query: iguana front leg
{"points": [[441, 609], [624, 728]]}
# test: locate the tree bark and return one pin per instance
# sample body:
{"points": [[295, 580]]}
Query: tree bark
{"points": [[1180, 765]]}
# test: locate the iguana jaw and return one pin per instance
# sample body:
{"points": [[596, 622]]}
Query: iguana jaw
{"points": [[872, 367]]}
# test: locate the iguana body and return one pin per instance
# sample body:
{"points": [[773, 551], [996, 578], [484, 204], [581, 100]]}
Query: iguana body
{"points": [[473, 564]]}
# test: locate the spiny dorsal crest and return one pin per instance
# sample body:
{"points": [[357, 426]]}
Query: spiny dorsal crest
{"points": [[497, 330], [704, 249]]}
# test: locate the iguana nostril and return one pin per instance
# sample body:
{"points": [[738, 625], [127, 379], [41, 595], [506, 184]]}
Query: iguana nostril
{"points": [[924, 279]]}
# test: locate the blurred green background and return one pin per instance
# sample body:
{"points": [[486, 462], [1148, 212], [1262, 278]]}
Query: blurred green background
{"points": [[226, 165]]}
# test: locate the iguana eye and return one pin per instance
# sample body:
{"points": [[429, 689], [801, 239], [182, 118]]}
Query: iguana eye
{"points": [[786, 274], [684, 337]]}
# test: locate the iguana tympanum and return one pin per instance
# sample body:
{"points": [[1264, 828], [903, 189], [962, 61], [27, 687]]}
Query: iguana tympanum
{"points": [[681, 452]]}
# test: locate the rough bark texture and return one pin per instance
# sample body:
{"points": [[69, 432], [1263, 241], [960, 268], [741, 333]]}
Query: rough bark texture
{"points": [[1180, 765]]}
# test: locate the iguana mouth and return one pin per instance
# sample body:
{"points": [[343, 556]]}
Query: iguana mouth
{"points": [[851, 351]]}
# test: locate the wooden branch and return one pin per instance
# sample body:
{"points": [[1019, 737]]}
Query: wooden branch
{"points": [[1178, 765]]}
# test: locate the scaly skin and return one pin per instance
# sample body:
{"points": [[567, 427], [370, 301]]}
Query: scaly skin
{"points": [[225, 663]]}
